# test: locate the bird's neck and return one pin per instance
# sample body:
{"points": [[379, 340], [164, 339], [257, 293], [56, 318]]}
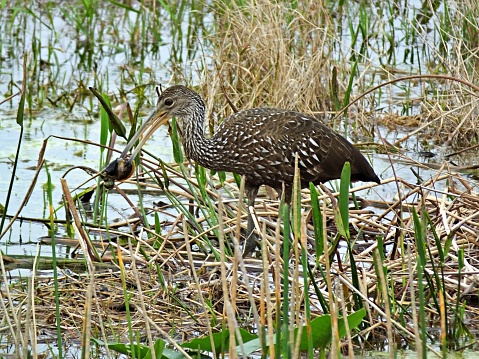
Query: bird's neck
{"points": [[197, 146]]}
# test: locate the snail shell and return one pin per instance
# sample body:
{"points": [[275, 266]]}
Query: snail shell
{"points": [[118, 170]]}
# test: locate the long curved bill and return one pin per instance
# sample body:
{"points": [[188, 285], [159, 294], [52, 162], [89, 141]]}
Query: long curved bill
{"points": [[123, 167], [149, 127]]}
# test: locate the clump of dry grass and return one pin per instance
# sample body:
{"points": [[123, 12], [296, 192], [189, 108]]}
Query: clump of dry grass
{"points": [[454, 121], [196, 293], [270, 55], [449, 112]]}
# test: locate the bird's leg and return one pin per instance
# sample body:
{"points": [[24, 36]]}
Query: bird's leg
{"points": [[251, 238]]}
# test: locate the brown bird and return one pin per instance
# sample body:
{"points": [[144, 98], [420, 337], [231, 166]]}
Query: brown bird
{"points": [[260, 144]]}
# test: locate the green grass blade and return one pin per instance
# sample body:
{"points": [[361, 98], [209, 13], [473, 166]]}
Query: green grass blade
{"points": [[344, 212], [420, 232], [104, 126], [317, 218], [322, 300], [457, 311], [118, 126], [344, 197], [176, 143], [296, 203], [124, 6], [285, 349], [307, 306]]}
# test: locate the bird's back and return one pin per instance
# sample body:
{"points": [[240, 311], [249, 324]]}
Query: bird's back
{"points": [[261, 144]]}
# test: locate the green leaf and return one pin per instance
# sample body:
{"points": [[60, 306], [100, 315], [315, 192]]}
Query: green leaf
{"points": [[237, 179], [296, 201], [157, 223], [317, 221], [159, 346], [118, 126], [253, 345], [200, 172], [220, 341], [339, 221], [222, 177], [175, 141], [165, 177], [419, 230], [142, 351], [104, 125], [21, 109], [321, 330]]}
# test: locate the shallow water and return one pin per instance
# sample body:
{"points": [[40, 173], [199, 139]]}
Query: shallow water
{"points": [[64, 56], [70, 62]]}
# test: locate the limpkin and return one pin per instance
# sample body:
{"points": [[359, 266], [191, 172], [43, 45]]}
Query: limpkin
{"points": [[259, 143]]}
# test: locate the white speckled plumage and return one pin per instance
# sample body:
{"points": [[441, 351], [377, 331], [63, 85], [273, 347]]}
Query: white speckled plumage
{"points": [[261, 145]]}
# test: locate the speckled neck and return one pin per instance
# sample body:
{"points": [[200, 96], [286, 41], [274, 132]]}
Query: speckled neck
{"points": [[197, 147]]}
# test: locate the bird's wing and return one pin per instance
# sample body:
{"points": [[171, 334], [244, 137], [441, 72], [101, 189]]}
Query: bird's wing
{"points": [[264, 142]]}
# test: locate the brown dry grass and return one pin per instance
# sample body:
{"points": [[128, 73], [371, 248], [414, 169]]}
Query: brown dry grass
{"points": [[199, 294], [261, 61]]}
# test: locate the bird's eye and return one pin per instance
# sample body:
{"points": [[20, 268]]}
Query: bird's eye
{"points": [[168, 102]]}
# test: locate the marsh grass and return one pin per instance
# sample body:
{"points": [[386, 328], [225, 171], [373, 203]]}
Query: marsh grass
{"points": [[259, 60], [193, 291], [408, 260], [255, 52]]}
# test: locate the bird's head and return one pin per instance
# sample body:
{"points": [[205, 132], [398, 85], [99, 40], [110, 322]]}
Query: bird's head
{"points": [[176, 101]]}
